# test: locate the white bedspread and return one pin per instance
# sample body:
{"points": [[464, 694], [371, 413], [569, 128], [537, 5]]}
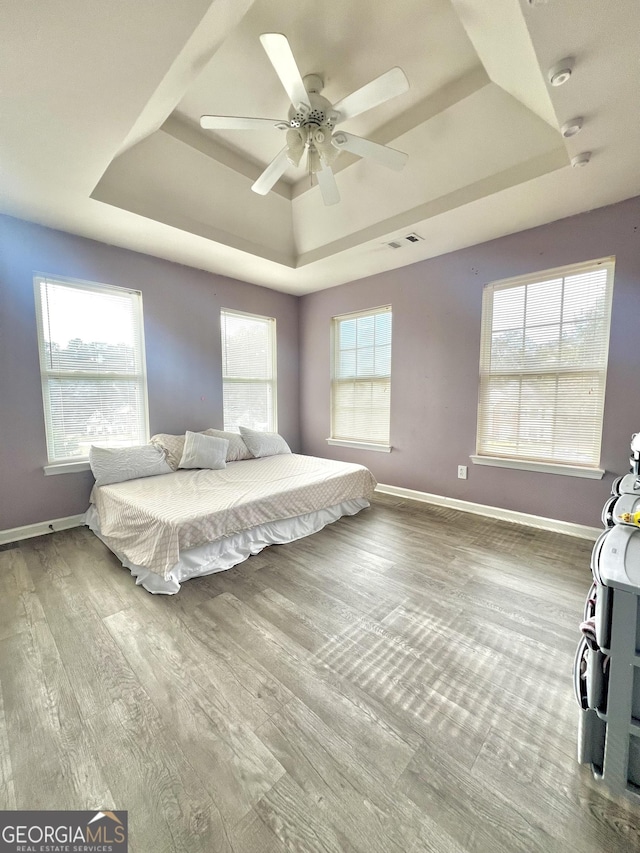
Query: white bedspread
{"points": [[152, 519]]}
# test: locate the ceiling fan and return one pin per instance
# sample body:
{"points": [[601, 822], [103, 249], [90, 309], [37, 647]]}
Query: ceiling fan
{"points": [[312, 119]]}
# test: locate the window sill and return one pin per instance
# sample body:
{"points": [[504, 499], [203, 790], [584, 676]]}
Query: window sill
{"points": [[67, 467], [540, 467], [359, 445]]}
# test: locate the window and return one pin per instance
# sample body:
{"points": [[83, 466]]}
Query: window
{"points": [[248, 371], [90, 338], [361, 378], [543, 365]]}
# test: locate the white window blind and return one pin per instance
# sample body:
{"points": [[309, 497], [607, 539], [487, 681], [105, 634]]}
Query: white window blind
{"points": [[91, 345], [543, 365], [361, 376], [248, 371]]}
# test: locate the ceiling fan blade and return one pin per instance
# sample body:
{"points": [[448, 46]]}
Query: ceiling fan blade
{"points": [[328, 186], [389, 157], [281, 57], [388, 85], [275, 170], [237, 123]]}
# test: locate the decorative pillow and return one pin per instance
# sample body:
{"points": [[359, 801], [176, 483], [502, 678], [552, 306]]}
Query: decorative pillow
{"points": [[204, 451], [237, 449], [172, 445], [117, 464], [264, 443]]}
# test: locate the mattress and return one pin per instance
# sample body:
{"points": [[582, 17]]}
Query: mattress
{"points": [[150, 521], [226, 553]]}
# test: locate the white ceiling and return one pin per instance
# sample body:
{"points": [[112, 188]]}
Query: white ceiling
{"points": [[100, 106]]}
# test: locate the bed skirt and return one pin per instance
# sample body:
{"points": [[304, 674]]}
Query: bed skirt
{"points": [[228, 552]]}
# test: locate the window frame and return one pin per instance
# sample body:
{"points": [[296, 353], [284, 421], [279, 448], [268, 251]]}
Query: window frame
{"points": [[553, 466], [68, 464], [271, 383], [354, 442]]}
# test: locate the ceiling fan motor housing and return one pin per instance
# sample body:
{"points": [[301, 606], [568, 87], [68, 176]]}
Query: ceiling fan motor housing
{"points": [[321, 113]]}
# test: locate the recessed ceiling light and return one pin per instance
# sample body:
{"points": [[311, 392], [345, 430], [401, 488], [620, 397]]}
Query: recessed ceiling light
{"points": [[571, 127], [581, 159], [560, 72]]}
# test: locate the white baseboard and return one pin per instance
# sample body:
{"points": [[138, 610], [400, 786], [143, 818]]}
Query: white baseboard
{"points": [[567, 527], [15, 534]]}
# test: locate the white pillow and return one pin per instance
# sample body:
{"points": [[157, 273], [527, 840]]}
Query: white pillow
{"points": [[264, 443], [117, 464], [204, 451], [237, 449]]}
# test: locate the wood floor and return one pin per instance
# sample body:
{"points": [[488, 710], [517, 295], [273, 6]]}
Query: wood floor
{"points": [[398, 683]]}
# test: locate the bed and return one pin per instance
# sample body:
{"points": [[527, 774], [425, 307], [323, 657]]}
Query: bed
{"points": [[188, 523]]}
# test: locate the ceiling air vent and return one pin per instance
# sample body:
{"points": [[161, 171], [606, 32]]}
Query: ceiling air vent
{"points": [[399, 242]]}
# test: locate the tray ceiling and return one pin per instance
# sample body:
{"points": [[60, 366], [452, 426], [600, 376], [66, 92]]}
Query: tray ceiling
{"points": [[103, 135]]}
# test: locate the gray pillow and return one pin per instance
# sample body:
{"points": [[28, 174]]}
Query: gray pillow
{"points": [[237, 449], [204, 451], [117, 464], [264, 443]]}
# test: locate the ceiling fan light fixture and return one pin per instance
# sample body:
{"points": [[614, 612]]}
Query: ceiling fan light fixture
{"points": [[314, 161], [327, 150], [296, 141]]}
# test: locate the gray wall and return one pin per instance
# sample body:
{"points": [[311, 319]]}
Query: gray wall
{"points": [[436, 345], [182, 333]]}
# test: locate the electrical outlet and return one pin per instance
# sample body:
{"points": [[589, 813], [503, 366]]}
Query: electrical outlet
{"points": [[462, 472]]}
